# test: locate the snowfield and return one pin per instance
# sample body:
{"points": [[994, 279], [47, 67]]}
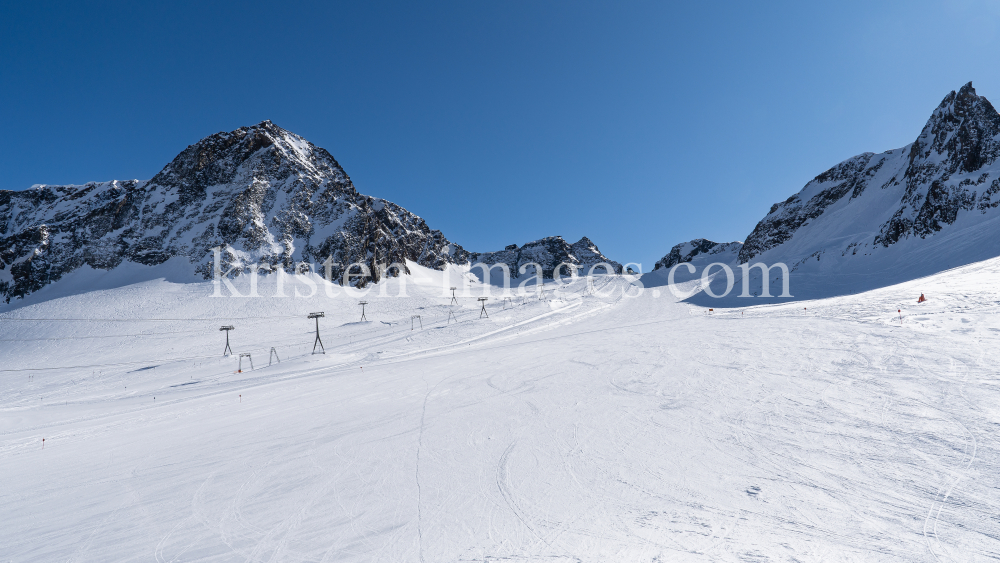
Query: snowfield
{"points": [[579, 428]]}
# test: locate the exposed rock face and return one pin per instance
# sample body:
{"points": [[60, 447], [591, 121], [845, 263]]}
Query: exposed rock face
{"points": [[549, 253], [724, 252], [268, 194], [911, 192]]}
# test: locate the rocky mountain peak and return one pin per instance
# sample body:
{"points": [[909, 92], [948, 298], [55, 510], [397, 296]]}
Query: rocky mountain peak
{"points": [[549, 253], [262, 150], [874, 206], [687, 251], [267, 195], [958, 137]]}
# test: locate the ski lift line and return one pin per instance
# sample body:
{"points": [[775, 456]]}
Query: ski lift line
{"points": [[343, 366], [380, 336], [107, 335], [114, 335], [375, 336], [167, 360], [436, 351], [479, 337], [349, 366], [375, 332], [282, 341], [439, 349], [379, 332], [205, 319]]}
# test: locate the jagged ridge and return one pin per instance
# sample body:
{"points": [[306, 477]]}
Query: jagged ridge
{"points": [[936, 177], [549, 253], [687, 251], [267, 194]]}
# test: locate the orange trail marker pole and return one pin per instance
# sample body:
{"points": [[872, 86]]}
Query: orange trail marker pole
{"points": [[900, 311], [43, 443]]}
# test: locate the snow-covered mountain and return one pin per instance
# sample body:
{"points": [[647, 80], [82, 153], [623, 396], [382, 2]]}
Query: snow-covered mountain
{"points": [[879, 219], [549, 253], [704, 249], [947, 171], [699, 253], [269, 194], [273, 198]]}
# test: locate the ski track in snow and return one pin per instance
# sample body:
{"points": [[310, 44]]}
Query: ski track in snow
{"points": [[583, 428]]}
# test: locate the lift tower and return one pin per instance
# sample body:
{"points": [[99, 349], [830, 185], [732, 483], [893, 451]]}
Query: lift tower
{"points": [[227, 328], [317, 341]]}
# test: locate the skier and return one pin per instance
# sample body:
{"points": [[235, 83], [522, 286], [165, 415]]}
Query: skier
{"points": [[922, 299]]}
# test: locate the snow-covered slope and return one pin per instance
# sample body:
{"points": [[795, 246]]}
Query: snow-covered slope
{"points": [[591, 428], [269, 194], [878, 219]]}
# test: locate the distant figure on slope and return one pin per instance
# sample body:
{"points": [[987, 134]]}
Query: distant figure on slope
{"points": [[922, 298]]}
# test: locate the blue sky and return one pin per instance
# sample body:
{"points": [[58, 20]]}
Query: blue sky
{"points": [[638, 124]]}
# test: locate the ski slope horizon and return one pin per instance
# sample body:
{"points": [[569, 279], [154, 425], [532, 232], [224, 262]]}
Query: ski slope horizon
{"points": [[616, 425]]}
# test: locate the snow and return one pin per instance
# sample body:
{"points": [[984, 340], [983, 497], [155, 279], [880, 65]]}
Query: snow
{"points": [[876, 220], [824, 273], [583, 428]]}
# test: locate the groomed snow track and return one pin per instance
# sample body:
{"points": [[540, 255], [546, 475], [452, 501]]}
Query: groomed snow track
{"points": [[579, 429]]}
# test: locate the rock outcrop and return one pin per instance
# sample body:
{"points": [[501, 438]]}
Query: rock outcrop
{"points": [[550, 253], [724, 252]]}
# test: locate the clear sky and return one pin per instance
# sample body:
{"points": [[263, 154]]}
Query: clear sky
{"points": [[638, 124]]}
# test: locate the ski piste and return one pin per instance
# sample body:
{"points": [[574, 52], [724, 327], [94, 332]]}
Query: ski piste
{"points": [[605, 425]]}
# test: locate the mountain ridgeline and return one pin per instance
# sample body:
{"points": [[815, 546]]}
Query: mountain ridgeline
{"points": [[948, 169], [272, 200], [550, 254], [268, 197], [878, 219]]}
